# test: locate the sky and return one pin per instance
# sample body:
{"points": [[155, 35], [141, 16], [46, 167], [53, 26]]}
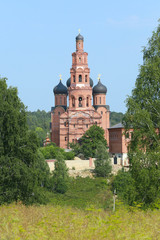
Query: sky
{"points": [[37, 38]]}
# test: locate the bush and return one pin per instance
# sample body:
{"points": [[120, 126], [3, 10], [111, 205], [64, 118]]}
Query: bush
{"points": [[124, 185]]}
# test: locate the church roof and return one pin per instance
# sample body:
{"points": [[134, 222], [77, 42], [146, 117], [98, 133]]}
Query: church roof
{"points": [[68, 83], [99, 88], [118, 125], [60, 89], [79, 37]]}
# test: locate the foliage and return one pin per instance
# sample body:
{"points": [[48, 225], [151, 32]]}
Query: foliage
{"points": [[39, 121], [124, 185], [143, 115], [60, 175], [116, 117], [19, 161], [88, 142], [51, 150], [102, 162]]}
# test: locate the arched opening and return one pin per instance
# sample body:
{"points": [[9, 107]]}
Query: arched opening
{"points": [[79, 59], [100, 100], [80, 78], [96, 100], [85, 78], [80, 101], [60, 100], [73, 101], [74, 78]]}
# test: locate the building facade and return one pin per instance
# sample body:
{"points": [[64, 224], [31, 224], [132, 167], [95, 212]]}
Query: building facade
{"points": [[87, 104]]}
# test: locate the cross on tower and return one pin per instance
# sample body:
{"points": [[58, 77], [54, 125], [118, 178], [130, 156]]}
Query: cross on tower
{"points": [[79, 30]]}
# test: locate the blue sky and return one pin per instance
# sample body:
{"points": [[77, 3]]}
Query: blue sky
{"points": [[37, 39]]}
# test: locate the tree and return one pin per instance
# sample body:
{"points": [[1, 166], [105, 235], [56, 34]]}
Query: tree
{"points": [[19, 159], [90, 140], [143, 115], [102, 163], [60, 175]]}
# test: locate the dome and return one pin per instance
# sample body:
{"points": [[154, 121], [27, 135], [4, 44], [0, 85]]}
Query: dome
{"points": [[68, 83], [60, 89], [99, 88], [79, 37]]}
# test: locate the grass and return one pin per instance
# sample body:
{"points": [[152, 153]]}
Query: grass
{"points": [[56, 222], [84, 192]]}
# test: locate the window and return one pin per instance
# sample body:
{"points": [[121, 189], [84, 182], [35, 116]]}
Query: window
{"points": [[73, 140], [79, 44], [60, 100], [80, 78], [96, 100], [101, 113], [95, 123], [80, 101], [65, 139], [79, 59], [86, 125], [74, 125], [85, 78], [73, 101], [65, 124], [100, 100], [73, 78], [59, 113], [87, 104]]}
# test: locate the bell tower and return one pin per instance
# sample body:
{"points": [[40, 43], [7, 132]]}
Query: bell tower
{"points": [[80, 91]]}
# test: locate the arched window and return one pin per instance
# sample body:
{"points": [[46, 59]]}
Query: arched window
{"points": [[79, 59], [87, 103], [80, 78], [85, 78], [74, 78], [73, 101], [60, 100], [79, 44], [80, 101], [96, 100], [100, 100]]}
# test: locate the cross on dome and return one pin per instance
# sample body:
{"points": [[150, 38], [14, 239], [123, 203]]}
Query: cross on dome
{"points": [[99, 75], [60, 75]]}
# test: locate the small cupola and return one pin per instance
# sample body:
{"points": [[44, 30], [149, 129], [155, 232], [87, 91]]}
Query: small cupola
{"points": [[60, 88], [99, 88]]}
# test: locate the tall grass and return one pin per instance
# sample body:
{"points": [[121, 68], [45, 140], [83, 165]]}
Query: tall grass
{"points": [[57, 222]]}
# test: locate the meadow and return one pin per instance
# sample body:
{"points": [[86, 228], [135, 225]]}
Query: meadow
{"points": [[60, 222]]}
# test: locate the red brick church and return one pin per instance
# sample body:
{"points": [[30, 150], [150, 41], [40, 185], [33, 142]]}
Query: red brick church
{"points": [[69, 123]]}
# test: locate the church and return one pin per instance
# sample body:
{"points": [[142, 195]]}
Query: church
{"points": [[69, 123]]}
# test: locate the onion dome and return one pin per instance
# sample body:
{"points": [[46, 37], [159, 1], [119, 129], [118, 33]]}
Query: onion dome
{"points": [[99, 88], [79, 37], [68, 83], [60, 89]]}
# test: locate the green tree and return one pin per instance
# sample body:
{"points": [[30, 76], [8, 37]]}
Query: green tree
{"points": [[90, 140], [102, 163], [60, 175], [19, 160], [143, 115]]}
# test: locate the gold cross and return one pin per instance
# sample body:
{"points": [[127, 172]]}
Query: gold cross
{"points": [[99, 76], [60, 75], [79, 30]]}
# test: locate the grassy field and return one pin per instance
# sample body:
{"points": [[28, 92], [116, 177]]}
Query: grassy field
{"points": [[56, 222]]}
